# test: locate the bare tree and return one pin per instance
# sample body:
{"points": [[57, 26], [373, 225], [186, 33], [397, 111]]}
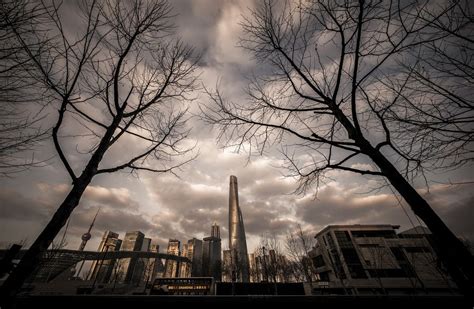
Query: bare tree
{"points": [[20, 129], [327, 98], [436, 89], [298, 245], [272, 264], [119, 77]]}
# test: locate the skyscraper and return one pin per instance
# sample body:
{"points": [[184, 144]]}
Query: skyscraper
{"points": [[184, 268], [133, 241], [142, 263], [211, 254], [102, 269], [193, 251], [195, 256], [157, 267], [171, 267], [237, 240]]}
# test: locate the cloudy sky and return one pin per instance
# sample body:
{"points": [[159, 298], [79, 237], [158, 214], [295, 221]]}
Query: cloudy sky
{"points": [[165, 206]]}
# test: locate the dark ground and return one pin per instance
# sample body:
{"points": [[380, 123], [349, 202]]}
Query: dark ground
{"points": [[227, 302]]}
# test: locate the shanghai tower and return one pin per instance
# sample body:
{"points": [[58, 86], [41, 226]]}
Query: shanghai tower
{"points": [[237, 241]]}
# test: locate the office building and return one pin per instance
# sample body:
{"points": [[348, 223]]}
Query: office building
{"points": [[133, 241], [156, 267], [142, 264], [101, 270], [184, 268], [195, 256], [211, 254], [172, 267]]}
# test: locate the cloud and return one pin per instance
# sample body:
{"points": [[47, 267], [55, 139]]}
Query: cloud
{"points": [[192, 204], [335, 204], [93, 196], [454, 204], [119, 212], [164, 206], [18, 207]]}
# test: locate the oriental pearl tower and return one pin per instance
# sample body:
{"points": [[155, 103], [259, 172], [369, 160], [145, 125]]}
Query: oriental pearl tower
{"points": [[86, 236], [237, 241]]}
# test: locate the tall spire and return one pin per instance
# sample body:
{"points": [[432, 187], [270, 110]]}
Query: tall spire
{"points": [[86, 236], [237, 240]]}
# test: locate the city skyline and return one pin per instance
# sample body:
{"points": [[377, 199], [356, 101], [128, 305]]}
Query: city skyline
{"points": [[164, 206], [74, 235]]}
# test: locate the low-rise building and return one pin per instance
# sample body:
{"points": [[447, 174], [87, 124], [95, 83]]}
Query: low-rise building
{"points": [[374, 259]]}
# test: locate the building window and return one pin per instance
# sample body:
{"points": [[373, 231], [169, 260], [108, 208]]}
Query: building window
{"points": [[382, 234], [343, 239], [387, 273], [403, 261], [353, 263], [337, 265], [325, 242], [324, 276], [318, 261], [416, 249], [330, 240]]}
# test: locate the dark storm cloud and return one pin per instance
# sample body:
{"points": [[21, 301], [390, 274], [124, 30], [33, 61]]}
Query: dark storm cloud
{"points": [[196, 22], [184, 197], [112, 219], [460, 219], [118, 210], [454, 204], [169, 207], [93, 196], [263, 218], [335, 205], [271, 188], [16, 206], [194, 207]]}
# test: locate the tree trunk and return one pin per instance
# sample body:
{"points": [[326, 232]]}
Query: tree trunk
{"points": [[454, 255], [34, 254]]}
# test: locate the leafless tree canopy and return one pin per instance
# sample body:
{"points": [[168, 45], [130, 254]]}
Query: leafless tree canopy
{"points": [[436, 89], [120, 75], [298, 244], [400, 74], [20, 128], [344, 82], [115, 75], [271, 263]]}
